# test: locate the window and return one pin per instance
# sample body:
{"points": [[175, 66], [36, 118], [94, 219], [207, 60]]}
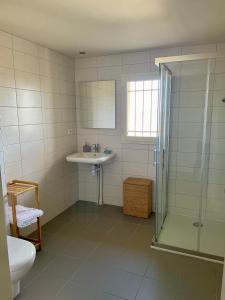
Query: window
{"points": [[142, 108]]}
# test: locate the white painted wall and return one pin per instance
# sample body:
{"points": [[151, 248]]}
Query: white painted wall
{"points": [[37, 118]]}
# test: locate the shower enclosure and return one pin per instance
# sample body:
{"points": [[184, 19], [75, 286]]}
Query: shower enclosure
{"points": [[190, 155]]}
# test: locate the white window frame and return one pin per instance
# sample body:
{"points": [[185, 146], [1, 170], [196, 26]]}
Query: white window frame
{"points": [[134, 77]]}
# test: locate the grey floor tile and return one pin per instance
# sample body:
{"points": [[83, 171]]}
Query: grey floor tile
{"points": [[97, 253], [43, 258], [154, 290], [91, 274], [75, 292], [105, 296], [80, 248], [108, 254], [133, 261], [123, 231], [165, 268], [56, 243], [43, 287], [62, 267], [122, 284]]}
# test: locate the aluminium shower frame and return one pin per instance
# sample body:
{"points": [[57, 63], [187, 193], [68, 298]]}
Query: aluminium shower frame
{"points": [[155, 244]]}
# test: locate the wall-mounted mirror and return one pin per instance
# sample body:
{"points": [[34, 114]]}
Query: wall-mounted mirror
{"points": [[96, 104]]}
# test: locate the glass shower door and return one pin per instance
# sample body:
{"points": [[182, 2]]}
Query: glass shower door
{"points": [[162, 148]]}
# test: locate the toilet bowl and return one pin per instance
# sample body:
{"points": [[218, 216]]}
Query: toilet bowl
{"points": [[21, 258]]}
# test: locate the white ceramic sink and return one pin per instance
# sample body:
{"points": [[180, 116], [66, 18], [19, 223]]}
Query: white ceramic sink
{"points": [[90, 158]]}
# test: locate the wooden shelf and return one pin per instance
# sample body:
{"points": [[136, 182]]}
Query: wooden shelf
{"points": [[16, 188]]}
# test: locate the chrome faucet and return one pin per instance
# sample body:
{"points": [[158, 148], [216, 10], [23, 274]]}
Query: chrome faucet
{"points": [[95, 148]]}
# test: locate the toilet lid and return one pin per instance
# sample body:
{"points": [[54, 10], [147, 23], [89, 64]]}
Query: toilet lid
{"points": [[20, 252]]}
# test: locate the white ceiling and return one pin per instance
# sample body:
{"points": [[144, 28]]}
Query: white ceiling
{"points": [[108, 26]]}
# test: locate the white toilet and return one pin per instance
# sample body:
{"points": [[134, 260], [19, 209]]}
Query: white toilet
{"points": [[21, 258]]}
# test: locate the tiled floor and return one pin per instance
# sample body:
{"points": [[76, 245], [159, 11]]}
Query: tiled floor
{"points": [[97, 253]]}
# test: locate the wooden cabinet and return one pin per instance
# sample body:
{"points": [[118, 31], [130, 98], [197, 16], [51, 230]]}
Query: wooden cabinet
{"points": [[137, 197]]}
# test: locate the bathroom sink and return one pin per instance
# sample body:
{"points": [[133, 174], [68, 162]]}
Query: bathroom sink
{"points": [[90, 158]]}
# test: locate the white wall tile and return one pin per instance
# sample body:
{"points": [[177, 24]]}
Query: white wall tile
{"points": [[216, 176], [189, 159], [193, 83], [67, 73], [190, 145], [86, 74], [7, 77], [83, 63], [49, 85], [8, 116], [140, 156], [190, 130], [30, 133], [134, 169], [30, 165], [49, 69], [50, 100], [186, 201], [66, 87], [7, 97], [218, 115], [13, 170], [135, 68], [188, 173], [6, 57], [209, 48], [12, 153], [26, 63], [191, 115], [160, 52], [219, 81], [217, 98], [25, 46], [29, 116], [27, 81], [10, 135], [217, 146], [25, 103], [192, 99], [52, 115], [220, 65], [109, 60], [188, 188], [109, 73], [28, 98], [216, 191], [33, 149], [217, 161]]}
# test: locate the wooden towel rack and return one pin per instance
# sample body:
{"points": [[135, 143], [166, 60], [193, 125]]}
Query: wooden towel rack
{"points": [[16, 188]]}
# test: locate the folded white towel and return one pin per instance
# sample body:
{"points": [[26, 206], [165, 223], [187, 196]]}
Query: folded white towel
{"points": [[25, 215]]}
